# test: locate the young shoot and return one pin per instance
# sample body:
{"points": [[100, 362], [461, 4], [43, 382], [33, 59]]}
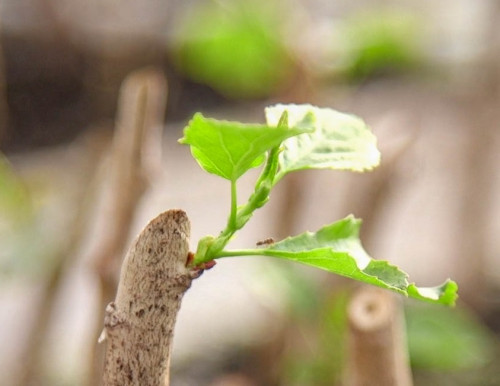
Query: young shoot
{"points": [[297, 137]]}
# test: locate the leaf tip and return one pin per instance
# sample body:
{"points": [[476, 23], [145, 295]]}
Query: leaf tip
{"points": [[446, 293], [283, 122]]}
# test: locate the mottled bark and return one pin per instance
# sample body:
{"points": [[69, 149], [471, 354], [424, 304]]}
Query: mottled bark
{"points": [[139, 324]]}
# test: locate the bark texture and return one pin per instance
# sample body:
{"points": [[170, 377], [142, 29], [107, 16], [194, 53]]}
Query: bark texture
{"points": [[139, 324]]}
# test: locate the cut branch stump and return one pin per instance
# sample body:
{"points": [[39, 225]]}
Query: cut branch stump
{"points": [[377, 354], [139, 324]]}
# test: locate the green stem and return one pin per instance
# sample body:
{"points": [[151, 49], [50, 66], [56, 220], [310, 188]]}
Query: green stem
{"points": [[238, 218], [234, 206], [211, 250], [241, 252], [262, 189]]}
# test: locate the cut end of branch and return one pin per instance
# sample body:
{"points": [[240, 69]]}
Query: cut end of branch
{"points": [[371, 310], [140, 322]]}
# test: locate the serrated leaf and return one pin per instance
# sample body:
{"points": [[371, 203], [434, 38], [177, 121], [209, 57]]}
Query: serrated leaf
{"points": [[339, 141], [229, 149], [337, 248]]}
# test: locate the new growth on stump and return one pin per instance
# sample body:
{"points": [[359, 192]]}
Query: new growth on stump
{"points": [[159, 269]]}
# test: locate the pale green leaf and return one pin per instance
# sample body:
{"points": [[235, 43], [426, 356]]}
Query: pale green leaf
{"points": [[229, 149], [339, 141], [446, 292]]}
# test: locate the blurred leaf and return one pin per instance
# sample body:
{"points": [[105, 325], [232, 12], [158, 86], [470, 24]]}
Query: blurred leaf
{"points": [[339, 141], [229, 149], [379, 42], [316, 358], [29, 233], [336, 248], [233, 47], [15, 201], [447, 339], [18, 236]]}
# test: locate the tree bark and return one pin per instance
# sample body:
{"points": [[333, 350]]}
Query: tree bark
{"points": [[139, 324]]}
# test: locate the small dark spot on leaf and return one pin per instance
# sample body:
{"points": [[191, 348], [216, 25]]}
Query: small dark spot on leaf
{"points": [[140, 313]]}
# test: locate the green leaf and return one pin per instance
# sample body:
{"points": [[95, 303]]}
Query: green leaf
{"points": [[379, 41], [446, 292], [229, 149], [339, 141], [337, 249]]}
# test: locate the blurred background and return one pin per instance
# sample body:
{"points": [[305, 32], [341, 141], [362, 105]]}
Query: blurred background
{"points": [[74, 190]]}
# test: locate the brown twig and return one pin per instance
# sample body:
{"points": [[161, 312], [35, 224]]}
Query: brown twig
{"points": [[139, 324], [140, 116]]}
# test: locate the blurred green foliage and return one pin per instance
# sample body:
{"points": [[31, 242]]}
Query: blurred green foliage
{"points": [[315, 324], [316, 355], [380, 42], [445, 339], [16, 216], [27, 233], [15, 201], [234, 47]]}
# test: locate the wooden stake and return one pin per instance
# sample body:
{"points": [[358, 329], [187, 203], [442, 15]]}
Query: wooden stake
{"points": [[139, 324], [376, 345]]}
